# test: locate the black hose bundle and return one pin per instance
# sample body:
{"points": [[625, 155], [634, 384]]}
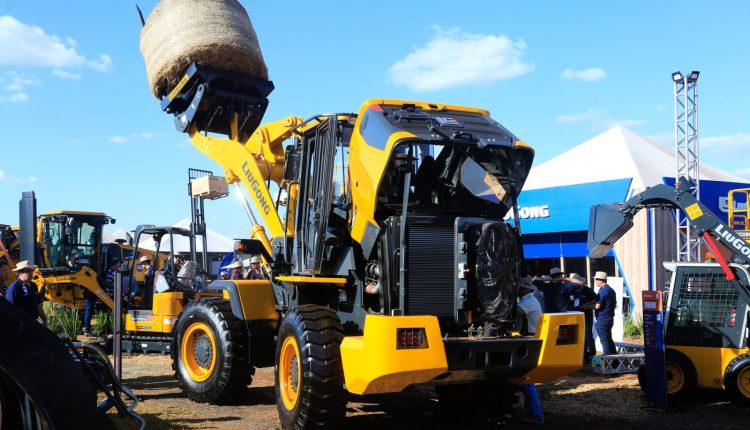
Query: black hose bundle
{"points": [[97, 367]]}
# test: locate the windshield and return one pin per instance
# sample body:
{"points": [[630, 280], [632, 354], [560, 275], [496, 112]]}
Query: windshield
{"points": [[71, 242], [456, 176]]}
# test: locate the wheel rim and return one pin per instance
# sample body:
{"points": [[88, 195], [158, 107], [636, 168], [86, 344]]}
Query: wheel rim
{"points": [[199, 351], [743, 382], [290, 370], [675, 378]]}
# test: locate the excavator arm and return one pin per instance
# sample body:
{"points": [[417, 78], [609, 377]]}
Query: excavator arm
{"points": [[609, 222]]}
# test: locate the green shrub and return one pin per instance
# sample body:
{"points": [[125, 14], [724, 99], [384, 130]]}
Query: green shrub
{"points": [[633, 327], [64, 321], [103, 326]]}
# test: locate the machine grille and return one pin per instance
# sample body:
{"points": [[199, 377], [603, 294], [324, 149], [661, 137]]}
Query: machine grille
{"points": [[430, 270]]}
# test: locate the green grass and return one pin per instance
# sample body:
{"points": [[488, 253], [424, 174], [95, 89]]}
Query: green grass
{"points": [[633, 328], [64, 321], [103, 325]]}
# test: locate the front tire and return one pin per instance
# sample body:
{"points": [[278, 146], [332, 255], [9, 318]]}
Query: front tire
{"points": [[308, 372], [681, 376], [210, 352], [737, 379]]}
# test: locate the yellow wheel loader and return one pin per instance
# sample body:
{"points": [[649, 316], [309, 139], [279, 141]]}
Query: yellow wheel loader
{"points": [[389, 263], [67, 247], [707, 306], [158, 295]]}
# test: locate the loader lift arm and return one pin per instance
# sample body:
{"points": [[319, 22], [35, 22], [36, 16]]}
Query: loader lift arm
{"points": [[609, 222]]}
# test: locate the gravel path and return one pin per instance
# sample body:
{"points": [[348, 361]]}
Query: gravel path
{"points": [[583, 400]]}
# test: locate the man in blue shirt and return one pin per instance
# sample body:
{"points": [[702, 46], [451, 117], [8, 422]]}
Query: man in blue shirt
{"points": [[555, 291], [583, 299], [605, 313], [24, 293]]}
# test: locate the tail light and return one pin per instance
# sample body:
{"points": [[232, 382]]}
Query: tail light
{"points": [[567, 335], [411, 338]]}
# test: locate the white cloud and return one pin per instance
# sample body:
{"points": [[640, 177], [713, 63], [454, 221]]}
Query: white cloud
{"points": [[123, 139], [735, 143], [591, 74], [4, 177], [103, 64], [454, 58], [25, 45], [14, 86], [18, 97], [660, 108], [64, 74], [597, 119]]}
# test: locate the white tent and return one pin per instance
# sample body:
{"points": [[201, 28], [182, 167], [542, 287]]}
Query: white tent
{"points": [[216, 242], [120, 233], [617, 153], [621, 154]]}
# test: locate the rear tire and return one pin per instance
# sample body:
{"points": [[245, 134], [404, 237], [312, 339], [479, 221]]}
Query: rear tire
{"points": [[309, 375], [210, 352], [737, 379]]}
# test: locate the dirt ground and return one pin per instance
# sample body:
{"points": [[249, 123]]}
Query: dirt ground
{"points": [[583, 400]]}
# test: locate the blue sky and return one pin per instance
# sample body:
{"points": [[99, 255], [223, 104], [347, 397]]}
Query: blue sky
{"points": [[81, 128]]}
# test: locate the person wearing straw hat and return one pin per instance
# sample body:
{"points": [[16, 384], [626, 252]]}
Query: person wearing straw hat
{"points": [[255, 272], [555, 292], [24, 293], [605, 313], [149, 273], [236, 270]]}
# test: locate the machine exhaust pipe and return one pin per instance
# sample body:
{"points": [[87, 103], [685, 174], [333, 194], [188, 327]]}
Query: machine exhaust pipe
{"points": [[27, 223]]}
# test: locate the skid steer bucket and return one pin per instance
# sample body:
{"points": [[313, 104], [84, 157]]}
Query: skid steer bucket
{"points": [[607, 224]]}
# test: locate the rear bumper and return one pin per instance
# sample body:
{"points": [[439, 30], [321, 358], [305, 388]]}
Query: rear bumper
{"points": [[373, 364]]}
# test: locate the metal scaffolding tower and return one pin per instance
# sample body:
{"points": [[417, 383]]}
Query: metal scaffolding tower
{"points": [[688, 157]]}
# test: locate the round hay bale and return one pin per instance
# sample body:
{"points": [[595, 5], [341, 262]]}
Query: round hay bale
{"points": [[215, 33]]}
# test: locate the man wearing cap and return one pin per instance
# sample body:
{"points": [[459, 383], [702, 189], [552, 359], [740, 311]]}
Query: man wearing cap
{"points": [[555, 292], [530, 310], [24, 293], [255, 272], [605, 313]]}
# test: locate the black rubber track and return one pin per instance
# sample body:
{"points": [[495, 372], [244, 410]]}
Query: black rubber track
{"points": [[232, 373], [731, 375], [322, 400]]}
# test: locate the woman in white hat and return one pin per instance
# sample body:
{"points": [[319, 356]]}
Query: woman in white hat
{"points": [[24, 293]]}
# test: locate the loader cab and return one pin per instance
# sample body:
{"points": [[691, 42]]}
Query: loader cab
{"points": [[319, 170], [704, 309], [157, 243], [72, 240]]}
